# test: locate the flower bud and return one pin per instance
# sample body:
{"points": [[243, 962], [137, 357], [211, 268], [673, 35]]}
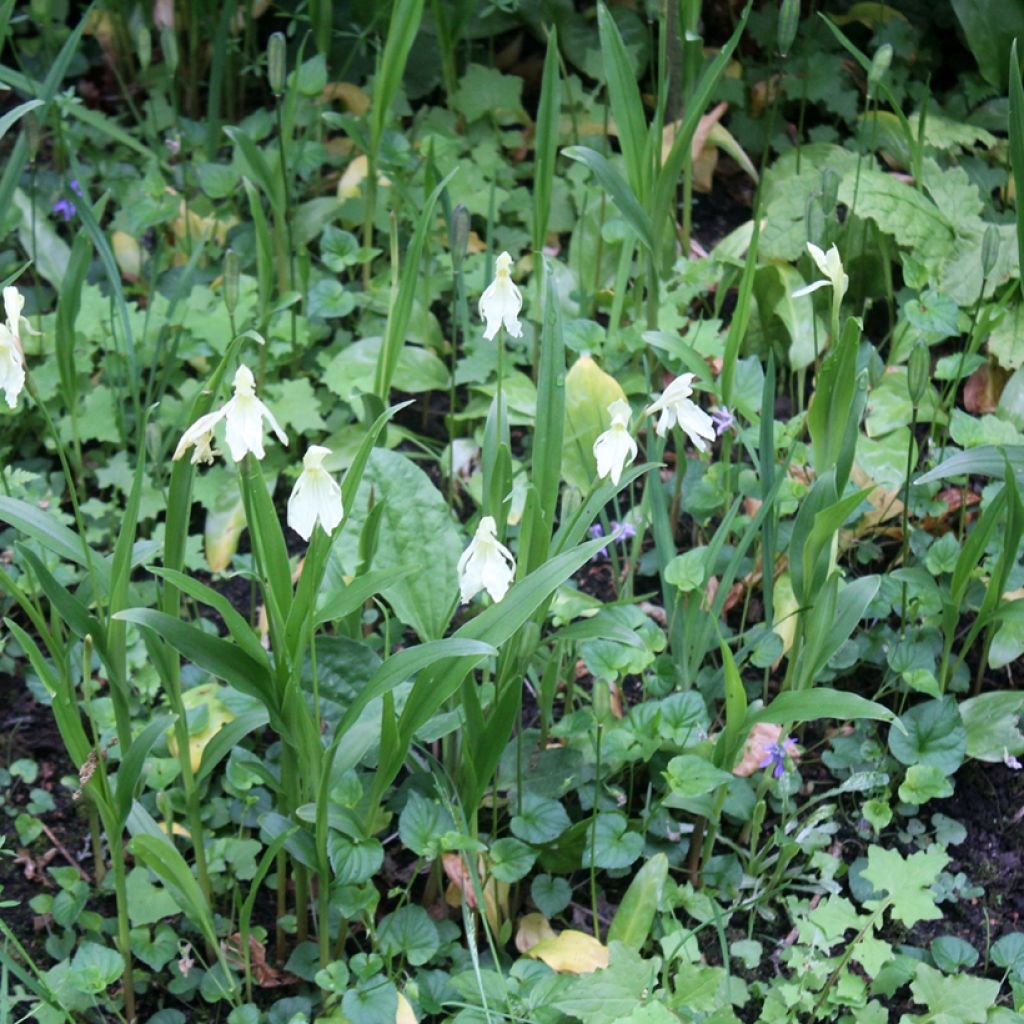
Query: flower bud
{"points": [[231, 275], [602, 701], [459, 240], [276, 63], [789, 19], [144, 43], [990, 250], [879, 67], [169, 48], [829, 190], [814, 219], [918, 371]]}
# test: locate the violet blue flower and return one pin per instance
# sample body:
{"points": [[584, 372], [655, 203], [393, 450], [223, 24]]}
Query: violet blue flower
{"points": [[776, 756], [597, 531], [623, 532], [64, 207], [722, 420]]}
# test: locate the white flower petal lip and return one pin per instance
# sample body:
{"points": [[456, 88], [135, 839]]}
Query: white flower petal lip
{"points": [[615, 448], [486, 564], [676, 408], [12, 366], [501, 301], [244, 414], [831, 265], [316, 496]]}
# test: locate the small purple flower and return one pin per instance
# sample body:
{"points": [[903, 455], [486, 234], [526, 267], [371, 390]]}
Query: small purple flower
{"points": [[623, 532], [64, 207], [722, 420], [597, 531], [776, 756]]}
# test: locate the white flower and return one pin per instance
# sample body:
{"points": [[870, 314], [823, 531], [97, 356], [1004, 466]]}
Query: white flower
{"points": [[615, 448], [12, 360], [244, 415], [315, 496], [675, 407], [486, 564], [831, 266], [501, 301]]}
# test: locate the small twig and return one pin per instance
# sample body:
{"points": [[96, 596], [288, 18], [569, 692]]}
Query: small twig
{"points": [[63, 851]]}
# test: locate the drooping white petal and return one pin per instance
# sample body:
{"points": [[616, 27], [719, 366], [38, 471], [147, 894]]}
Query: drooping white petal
{"points": [[697, 425], [807, 289], [486, 564], [244, 430], [245, 414], [676, 407], [199, 434], [316, 496], [501, 301], [615, 448], [12, 366]]}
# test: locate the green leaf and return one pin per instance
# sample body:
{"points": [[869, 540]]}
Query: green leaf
{"points": [[485, 91], [409, 932], [551, 893], [950, 953], [907, 881], [511, 860], [690, 775], [588, 393], [540, 820], [991, 723], [147, 903], [821, 702], [933, 735], [605, 996], [635, 916], [416, 532], [613, 845], [354, 860], [95, 967], [960, 998], [620, 193], [421, 823], [924, 782]]}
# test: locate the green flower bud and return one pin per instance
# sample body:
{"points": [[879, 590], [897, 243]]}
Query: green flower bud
{"points": [[918, 371], [459, 240], [829, 190], [231, 275], [169, 48], [144, 42], [990, 250], [276, 58], [879, 67], [789, 19], [602, 702], [814, 219]]}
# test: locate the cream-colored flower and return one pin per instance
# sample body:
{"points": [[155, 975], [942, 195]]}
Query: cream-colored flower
{"points": [[243, 414], [316, 496], [12, 358], [615, 448], [501, 301], [486, 564], [830, 264], [675, 407]]}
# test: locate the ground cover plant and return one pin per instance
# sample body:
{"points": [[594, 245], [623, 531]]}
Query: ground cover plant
{"points": [[511, 511]]}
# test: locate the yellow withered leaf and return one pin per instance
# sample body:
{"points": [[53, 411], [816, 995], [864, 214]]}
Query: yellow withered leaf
{"points": [[128, 254], [217, 716], [405, 1014], [533, 929], [571, 952]]}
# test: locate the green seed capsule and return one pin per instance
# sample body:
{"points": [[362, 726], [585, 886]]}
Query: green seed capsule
{"points": [[231, 275], [829, 190], [602, 701], [990, 250], [814, 218], [276, 63], [144, 43], [789, 19], [918, 371], [460, 234], [880, 64]]}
